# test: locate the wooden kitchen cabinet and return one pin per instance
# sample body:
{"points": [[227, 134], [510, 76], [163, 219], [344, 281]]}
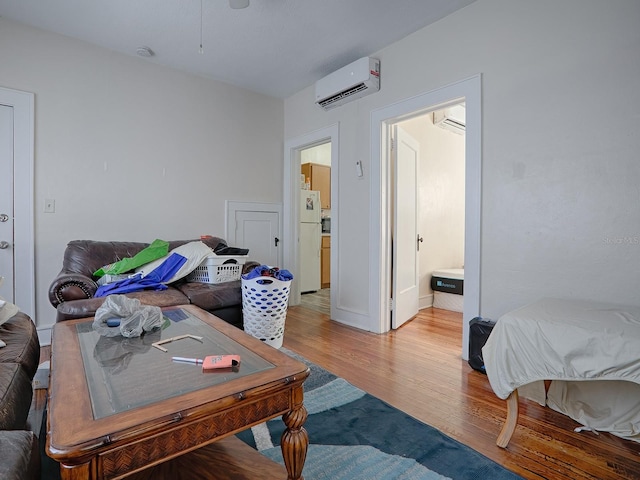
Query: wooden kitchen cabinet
{"points": [[320, 177], [325, 262]]}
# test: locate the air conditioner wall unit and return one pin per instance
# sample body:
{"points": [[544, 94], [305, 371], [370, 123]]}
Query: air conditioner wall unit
{"points": [[356, 80], [451, 118]]}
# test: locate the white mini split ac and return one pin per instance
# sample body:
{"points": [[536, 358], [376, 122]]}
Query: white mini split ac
{"points": [[356, 80], [451, 118]]}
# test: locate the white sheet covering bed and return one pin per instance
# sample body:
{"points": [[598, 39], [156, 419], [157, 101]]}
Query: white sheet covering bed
{"points": [[567, 341]]}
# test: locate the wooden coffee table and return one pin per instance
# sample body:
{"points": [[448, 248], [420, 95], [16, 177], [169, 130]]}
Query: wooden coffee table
{"points": [[119, 406]]}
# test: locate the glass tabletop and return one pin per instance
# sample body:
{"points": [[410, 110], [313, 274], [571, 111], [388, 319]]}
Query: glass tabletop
{"points": [[126, 373]]}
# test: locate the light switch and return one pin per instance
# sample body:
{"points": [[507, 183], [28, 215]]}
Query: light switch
{"points": [[49, 205]]}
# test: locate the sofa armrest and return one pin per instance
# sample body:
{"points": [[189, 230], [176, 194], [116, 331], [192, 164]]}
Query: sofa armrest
{"points": [[71, 286]]}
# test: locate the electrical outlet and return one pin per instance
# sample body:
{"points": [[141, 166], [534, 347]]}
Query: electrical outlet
{"points": [[49, 205]]}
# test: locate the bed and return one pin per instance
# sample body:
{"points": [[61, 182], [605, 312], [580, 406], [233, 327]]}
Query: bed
{"points": [[580, 358], [448, 289]]}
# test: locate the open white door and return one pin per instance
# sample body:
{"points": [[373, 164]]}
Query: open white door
{"points": [[406, 153]]}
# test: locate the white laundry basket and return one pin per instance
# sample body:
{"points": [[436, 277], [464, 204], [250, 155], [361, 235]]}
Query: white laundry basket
{"points": [[264, 308]]}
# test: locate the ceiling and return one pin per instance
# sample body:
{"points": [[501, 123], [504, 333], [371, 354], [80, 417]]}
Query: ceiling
{"points": [[275, 47]]}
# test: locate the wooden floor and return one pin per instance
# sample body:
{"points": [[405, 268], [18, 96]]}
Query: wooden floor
{"points": [[418, 369], [319, 301]]}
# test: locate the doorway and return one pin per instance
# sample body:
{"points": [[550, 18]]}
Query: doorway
{"points": [[468, 91], [435, 238], [294, 149], [315, 227]]}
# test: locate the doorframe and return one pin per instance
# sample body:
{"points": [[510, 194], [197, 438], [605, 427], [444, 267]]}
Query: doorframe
{"points": [[23, 193], [469, 91], [291, 195]]}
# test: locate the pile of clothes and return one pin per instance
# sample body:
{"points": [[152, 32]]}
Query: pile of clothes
{"points": [[267, 271], [155, 267]]}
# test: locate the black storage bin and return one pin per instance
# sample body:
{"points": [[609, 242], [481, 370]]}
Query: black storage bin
{"points": [[479, 331]]}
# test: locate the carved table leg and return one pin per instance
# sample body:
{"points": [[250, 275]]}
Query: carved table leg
{"points": [[295, 440], [510, 423], [76, 472]]}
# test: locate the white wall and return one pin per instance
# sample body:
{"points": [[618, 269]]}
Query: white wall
{"points": [[133, 151], [560, 118], [441, 195], [320, 154]]}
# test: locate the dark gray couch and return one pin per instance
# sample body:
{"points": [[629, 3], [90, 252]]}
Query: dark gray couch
{"points": [[20, 458], [71, 292]]}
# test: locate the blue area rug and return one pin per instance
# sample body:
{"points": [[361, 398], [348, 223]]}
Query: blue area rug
{"points": [[355, 436]]}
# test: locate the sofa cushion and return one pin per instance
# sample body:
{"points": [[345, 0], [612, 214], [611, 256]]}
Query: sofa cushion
{"points": [[15, 396], [71, 292], [20, 455], [88, 306], [212, 296], [23, 347]]}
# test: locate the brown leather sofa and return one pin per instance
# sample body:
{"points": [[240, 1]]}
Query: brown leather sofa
{"points": [[72, 291], [20, 458]]}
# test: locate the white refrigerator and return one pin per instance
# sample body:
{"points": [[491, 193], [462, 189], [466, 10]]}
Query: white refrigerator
{"points": [[309, 240]]}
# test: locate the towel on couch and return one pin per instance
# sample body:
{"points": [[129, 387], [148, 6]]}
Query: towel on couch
{"points": [[155, 275], [194, 252]]}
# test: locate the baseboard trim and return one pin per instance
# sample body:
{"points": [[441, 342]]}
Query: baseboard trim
{"points": [[425, 302], [44, 335]]}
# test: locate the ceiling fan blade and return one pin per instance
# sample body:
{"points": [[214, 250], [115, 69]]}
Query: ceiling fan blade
{"points": [[238, 3]]}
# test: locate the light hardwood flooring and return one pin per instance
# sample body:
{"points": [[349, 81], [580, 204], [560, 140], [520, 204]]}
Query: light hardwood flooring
{"points": [[319, 301], [418, 369]]}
